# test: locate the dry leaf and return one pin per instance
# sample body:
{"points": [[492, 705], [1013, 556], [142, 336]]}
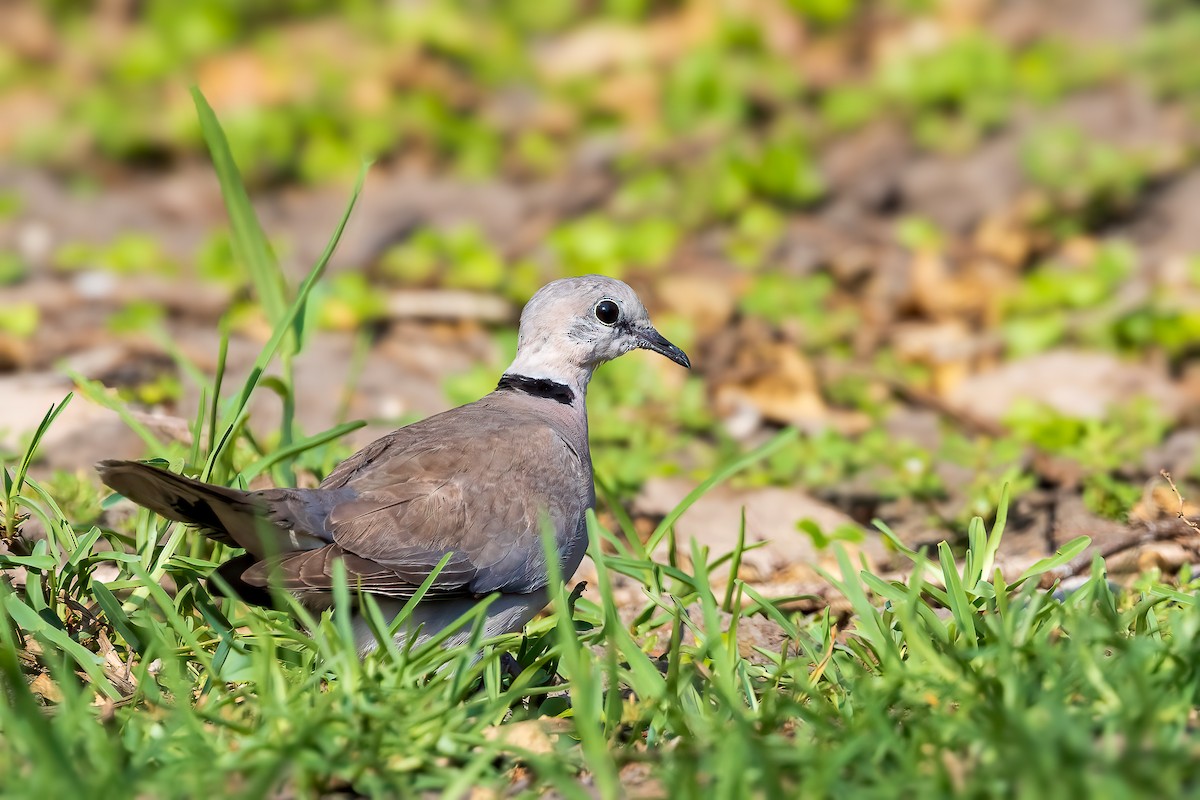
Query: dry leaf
{"points": [[46, 688], [1162, 503], [775, 380], [535, 736], [707, 302]]}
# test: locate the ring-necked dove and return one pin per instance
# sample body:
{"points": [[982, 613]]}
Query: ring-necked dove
{"points": [[476, 481]]}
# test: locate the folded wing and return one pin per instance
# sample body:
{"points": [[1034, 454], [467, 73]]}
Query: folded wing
{"points": [[408, 500]]}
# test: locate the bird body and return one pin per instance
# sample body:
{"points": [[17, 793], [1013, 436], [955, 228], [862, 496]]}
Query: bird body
{"points": [[477, 483]]}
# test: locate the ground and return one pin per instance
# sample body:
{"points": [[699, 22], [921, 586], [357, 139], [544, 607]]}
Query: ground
{"points": [[921, 254]]}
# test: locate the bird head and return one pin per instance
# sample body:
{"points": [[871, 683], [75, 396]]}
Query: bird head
{"points": [[573, 325]]}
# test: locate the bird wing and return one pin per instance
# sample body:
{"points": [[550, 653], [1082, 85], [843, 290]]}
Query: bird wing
{"points": [[474, 483]]}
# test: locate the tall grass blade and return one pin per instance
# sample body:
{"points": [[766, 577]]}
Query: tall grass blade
{"points": [[238, 407], [585, 689], [781, 439], [250, 246]]}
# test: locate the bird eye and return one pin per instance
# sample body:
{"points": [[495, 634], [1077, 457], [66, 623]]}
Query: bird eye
{"points": [[608, 312]]}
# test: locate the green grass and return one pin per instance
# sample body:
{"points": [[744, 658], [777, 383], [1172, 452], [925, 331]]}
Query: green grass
{"points": [[955, 681], [313, 129]]}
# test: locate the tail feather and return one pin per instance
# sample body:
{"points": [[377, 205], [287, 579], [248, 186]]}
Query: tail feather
{"points": [[231, 578], [227, 515]]}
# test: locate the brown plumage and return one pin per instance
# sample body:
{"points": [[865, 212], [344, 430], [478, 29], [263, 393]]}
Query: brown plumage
{"points": [[476, 482]]}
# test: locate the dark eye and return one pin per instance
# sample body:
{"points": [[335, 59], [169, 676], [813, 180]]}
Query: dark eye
{"points": [[608, 312]]}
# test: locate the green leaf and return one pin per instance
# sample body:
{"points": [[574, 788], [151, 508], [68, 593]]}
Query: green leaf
{"points": [[720, 476], [88, 661], [250, 245], [960, 606], [116, 615], [298, 447], [1061, 556], [236, 410]]}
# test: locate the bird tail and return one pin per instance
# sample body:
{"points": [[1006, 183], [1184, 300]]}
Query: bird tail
{"points": [[227, 515]]}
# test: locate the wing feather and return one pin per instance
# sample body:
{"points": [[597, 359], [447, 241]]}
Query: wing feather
{"points": [[474, 482]]}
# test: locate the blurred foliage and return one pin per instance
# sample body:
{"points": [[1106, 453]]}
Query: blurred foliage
{"points": [[20, 319], [310, 99], [1085, 183], [1103, 449], [712, 124], [349, 302], [139, 315], [13, 268], [127, 254]]}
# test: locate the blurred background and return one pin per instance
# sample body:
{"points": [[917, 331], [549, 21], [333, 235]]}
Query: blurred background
{"points": [[953, 241]]}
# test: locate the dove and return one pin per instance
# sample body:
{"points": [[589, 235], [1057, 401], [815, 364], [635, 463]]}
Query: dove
{"points": [[476, 483]]}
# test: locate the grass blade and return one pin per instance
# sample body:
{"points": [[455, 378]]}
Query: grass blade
{"points": [[250, 246], [720, 476], [88, 661], [265, 357]]}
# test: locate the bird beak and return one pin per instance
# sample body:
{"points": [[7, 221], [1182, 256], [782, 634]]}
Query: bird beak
{"points": [[650, 339]]}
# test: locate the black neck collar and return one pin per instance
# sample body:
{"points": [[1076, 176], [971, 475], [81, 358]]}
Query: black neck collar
{"points": [[538, 387]]}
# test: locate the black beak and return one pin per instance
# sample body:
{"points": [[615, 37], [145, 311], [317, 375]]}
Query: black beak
{"points": [[650, 339]]}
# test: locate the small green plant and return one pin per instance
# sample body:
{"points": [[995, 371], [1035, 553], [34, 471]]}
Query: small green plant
{"points": [[13, 268], [1166, 322], [349, 302], [11, 204], [1102, 448], [804, 303], [756, 233], [138, 316], [1039, 310], [825, 12], [955, 93], [20, 320], [1163, 54], [1084, 182], [590, 244], [460, 256], [822, 540], [164, 388], [127, 254]]}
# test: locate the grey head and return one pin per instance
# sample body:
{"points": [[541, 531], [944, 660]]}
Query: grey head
{"points": [[573, 325]]}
